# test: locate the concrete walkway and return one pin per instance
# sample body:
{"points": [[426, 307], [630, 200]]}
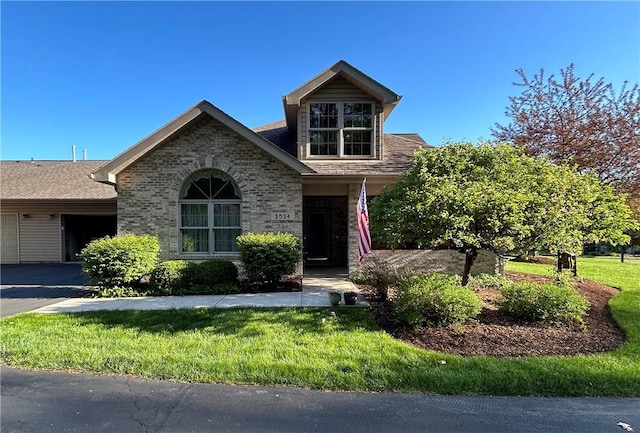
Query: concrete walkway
{"points": [[315, 288]]}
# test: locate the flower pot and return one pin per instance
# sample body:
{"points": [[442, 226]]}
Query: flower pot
{"points": [[350, 298], [334, 298]]}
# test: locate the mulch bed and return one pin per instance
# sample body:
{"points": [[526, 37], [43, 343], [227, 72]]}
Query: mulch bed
{"points": [[491, 334]]}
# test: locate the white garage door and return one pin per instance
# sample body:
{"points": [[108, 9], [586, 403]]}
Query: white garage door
{"points": [[9, 238]]}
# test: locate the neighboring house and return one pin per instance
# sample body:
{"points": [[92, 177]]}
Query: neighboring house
{"points": [[52, 209], [204, 178]]}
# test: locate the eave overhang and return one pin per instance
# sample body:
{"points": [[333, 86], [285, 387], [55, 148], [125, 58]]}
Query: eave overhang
{"points": [[107, 173]]}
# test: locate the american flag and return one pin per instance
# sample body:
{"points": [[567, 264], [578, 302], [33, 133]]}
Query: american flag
{"points": [[364, 237]]}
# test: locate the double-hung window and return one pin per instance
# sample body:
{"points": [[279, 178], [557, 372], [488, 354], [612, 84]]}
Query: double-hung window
{"points": [[341, 129], [210, 217]]}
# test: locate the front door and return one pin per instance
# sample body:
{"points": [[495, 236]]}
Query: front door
{"points": [[316, 237]]}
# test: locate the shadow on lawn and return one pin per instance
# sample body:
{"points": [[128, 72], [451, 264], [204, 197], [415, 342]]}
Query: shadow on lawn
{"points": [[240, 322]]}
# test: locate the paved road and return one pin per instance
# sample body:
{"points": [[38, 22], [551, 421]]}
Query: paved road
{"points": [[26, 287], [35, 402]]}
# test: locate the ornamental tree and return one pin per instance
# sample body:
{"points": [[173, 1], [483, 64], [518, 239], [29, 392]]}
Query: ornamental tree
{"points": [[579, 121], [494, 197]]}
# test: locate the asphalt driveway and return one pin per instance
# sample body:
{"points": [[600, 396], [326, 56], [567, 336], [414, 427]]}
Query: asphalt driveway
{"points": [[34, 402], [26, 287]]}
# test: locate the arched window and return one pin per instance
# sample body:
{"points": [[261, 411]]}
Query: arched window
{"points": [[210, 218]]}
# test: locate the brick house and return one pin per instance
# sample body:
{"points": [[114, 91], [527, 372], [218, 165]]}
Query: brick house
{"points": [[204, 178]]}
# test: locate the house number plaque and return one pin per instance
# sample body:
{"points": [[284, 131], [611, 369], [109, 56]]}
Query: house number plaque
{"points": [[282, 216]]}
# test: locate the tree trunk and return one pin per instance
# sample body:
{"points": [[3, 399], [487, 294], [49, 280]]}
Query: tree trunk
{"points": [[470, 257], [622, 257]]}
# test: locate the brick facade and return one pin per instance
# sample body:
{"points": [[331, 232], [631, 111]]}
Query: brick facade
{"points": [[148, 189], [444, 261]]}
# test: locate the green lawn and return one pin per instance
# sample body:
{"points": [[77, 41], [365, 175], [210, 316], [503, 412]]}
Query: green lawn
{"points": [[309, 348]]}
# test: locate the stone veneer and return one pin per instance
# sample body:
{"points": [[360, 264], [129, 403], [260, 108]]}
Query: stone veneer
{"points": [[444, 261], [148, 189]]}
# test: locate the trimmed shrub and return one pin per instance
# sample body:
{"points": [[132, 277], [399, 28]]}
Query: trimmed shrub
{"points": [[547, 302], [167, 278], [211, 277], [435, 299], [267, 257], [120, 261]]}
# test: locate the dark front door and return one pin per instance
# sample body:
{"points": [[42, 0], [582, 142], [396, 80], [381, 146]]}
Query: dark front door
{"points": [[325, 230], [316, 239]]}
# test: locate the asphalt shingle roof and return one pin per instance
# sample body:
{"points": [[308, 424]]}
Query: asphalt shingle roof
{"points": [[52, 180], [67, 180], [398, 152]]}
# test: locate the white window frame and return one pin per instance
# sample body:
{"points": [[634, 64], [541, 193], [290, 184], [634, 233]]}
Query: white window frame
{"points": [[340, 129], [211, 228]]}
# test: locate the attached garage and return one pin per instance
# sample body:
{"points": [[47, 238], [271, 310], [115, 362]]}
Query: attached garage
{"points": [[52, 209], [79, 230]]}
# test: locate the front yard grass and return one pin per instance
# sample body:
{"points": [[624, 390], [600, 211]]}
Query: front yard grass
{"points": [[309, 348]]}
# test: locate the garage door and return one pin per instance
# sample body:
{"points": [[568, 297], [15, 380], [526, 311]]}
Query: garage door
{"points": [[9, 238]]}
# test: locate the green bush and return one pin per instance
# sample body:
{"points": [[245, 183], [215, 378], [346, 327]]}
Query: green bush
{"points": [[435, 299], [211, 277], [543, 302], [120, 261], [167, 278], [267, 257], [377, 274]]}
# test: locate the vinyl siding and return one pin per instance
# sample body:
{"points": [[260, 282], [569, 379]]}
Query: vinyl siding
{"points": [[39, 235], [338, 89]]}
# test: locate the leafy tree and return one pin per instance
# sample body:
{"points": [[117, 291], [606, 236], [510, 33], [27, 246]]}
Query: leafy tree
{"points": [[582, 122], [494, 197]]}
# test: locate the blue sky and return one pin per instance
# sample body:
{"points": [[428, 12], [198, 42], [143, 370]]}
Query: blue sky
{"points": [[103, 75]]}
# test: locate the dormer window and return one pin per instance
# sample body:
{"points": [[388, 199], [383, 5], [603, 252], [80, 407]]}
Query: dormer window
{"points": [[338, 129]]}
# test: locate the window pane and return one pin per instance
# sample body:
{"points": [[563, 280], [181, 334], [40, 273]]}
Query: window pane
{"points": [[194, 215], [197, 189], [324, 142], [209, 184], [225, 239], [226, 215], [323, 115], [357, 142], [195, 240], [357, 116]]}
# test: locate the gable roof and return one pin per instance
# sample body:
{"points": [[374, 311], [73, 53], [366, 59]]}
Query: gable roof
{"points": [[107, 173], [52, 180], [293, 100]]}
